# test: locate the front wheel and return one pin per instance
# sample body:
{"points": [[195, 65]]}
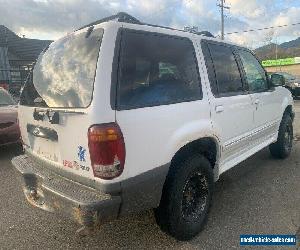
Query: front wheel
{"points": [[283, 147], [186, 198]]}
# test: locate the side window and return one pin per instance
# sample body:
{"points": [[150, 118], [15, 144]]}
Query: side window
{"points": [[156, 69], [254, 72], [226, 69]]}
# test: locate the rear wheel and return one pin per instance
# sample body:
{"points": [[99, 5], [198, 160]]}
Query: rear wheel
{"points": [[283, 147], [186, 198]]}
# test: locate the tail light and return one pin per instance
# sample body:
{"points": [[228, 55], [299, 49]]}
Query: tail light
{"points": [[107, 150]]}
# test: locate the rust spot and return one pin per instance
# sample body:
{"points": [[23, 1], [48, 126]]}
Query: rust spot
{"points": [[56, 205], [84, 217], [77, 213]]}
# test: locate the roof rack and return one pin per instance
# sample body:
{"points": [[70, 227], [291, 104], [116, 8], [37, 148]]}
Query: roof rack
{"points": [[204, 33], [120, 17], [126, 18]]}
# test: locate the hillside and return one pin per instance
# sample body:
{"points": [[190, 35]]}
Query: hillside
{"points": [[23, 48], [284, 50]]}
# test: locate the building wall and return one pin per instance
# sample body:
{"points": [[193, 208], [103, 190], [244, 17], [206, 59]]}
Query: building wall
{"points": [[4, 66], [292, 69]]}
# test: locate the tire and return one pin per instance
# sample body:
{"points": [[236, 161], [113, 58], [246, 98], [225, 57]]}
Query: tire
{"points": [[282, 148], [186, 198]]}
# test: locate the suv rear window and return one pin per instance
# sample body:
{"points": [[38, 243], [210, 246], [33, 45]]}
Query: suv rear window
{"points": [[63, 76], [156, 69]]}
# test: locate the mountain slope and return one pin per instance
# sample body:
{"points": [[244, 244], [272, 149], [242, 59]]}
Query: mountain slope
{"points": [[284, 50], [291, 44]]}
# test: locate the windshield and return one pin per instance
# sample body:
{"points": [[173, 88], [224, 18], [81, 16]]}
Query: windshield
{"points": [[63, 76], [5, 98]]}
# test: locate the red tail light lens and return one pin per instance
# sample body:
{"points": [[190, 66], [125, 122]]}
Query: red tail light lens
{"points": [[107, 150]]}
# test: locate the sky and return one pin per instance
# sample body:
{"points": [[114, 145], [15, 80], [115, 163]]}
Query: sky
{"points": [[51, 19]]}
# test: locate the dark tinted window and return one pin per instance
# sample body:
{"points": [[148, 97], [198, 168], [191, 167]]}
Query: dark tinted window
{"points": [[64, 75], [155, 70], [255, 74], [5, 98], [226, 69]]}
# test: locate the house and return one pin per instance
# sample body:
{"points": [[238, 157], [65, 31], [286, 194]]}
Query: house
{"points": [[17, 55]]}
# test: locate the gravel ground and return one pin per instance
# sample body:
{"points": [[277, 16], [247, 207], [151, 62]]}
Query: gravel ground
{"points": [[261, 195]]}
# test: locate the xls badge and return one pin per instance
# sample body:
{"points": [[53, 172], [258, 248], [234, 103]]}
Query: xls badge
{"points": [[81, 153]]}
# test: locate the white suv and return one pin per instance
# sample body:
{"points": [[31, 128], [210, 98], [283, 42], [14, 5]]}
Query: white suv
{"points": [[122, 116]]}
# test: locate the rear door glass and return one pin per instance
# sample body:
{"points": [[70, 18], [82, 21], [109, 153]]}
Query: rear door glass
{"points": [[226, 70]]}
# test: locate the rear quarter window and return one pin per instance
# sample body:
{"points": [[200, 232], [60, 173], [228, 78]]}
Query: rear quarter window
{"points": [[156, 69]]}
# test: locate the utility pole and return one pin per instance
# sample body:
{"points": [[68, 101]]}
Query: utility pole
{"points": [[222, 7]]}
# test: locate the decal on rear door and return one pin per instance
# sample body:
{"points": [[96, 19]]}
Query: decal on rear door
{"points": [[75, 165], [81, 153]]}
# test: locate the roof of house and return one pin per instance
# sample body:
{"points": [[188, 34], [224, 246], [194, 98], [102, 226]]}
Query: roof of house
{"points": [[23, 48]]}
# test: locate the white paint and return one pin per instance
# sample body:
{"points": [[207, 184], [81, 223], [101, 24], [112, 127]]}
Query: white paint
{"points": [[154, 134]]}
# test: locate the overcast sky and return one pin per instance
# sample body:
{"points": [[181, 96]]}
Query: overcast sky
{"points": [[50, 19]]}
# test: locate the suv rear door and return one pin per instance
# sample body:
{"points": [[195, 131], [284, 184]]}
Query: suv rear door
{"points": [[232, 107]]}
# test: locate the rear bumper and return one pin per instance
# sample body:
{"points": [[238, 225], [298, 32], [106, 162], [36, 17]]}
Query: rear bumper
{"points": [[88, 205], [55, 193]]}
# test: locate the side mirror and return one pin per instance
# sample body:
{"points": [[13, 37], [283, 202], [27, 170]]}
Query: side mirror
{"points": [[277, 80]]}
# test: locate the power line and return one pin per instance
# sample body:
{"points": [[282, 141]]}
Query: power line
{"points": [[265, 28]]}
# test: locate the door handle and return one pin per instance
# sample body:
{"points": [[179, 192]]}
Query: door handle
{"points": [[257, 101], [219, 109]]}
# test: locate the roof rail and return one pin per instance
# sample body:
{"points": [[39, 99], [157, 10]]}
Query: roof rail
{"points": [[126, 18], [204, 33], [120, 17]]}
